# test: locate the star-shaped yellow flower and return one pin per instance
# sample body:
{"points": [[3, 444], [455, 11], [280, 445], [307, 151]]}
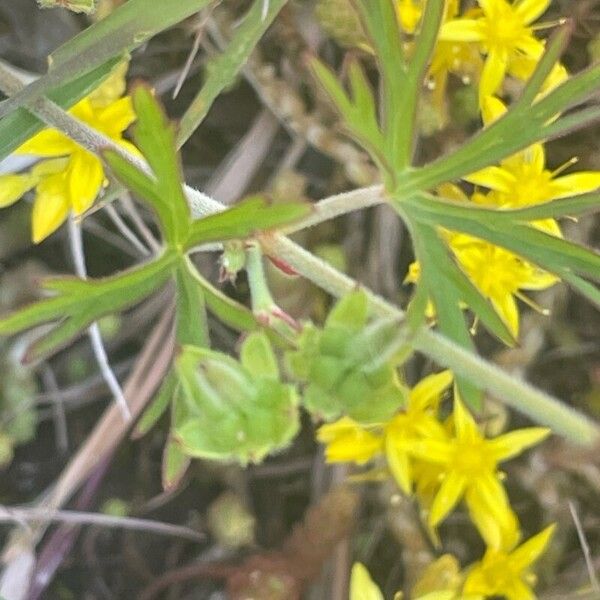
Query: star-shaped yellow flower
{"points": [[470, 470], [504, 33], [508, 574], [69, 178]]}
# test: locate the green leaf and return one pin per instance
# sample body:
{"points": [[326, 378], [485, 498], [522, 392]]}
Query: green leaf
{"points": [[154, 135], [350, 312], [249, 217], [191, 321], [157, 407], [402, 137], [146, 188], [257, 356], [175, 463], [228, 311], [446, 296], [222, 71], [359, 114], [381, 25], [547, 251], [78, 6], [442, 268], [78, 303], [20, 125], [126, 28]]}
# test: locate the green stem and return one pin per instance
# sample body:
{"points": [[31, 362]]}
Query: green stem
{"points": [[539, 406]]}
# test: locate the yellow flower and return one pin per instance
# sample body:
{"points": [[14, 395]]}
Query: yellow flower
{"points": [[362, 587], [508, 574], [499, 275], [461, 59], [418, 421], [349, 441], [69, 177], [523, 179], [504, 33], [470, 470]]}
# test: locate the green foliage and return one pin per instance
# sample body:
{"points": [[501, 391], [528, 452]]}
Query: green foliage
{"points": [[222, 70], [20, 125], [342, 368], [387, 133], [126, 28], [230, 410], [78, 303]]}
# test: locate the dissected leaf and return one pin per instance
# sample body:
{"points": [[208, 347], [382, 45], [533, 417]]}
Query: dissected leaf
{"points": [[78, 303], [249, 217], [191, 320]]}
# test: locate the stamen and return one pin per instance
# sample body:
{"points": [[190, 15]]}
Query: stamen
{"points": [[548, 25], [532, 304], [565, 166], [474, 327]]}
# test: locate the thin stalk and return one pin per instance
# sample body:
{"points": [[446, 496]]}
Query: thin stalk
{"points": [[76, 244]]}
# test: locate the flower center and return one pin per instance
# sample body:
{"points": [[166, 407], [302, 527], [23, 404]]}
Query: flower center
{"points": [[472, 458]]}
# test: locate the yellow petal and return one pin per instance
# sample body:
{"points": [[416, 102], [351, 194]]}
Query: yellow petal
{"points": [[432, 450], [493, 178], [12, 188], [462, 30], [118, 116], [49, 167], [494, 71], [518, 590], [427, 393], [530, 46], [464, 423], [50, 207], [362, 587], [513, 443], [399, 464], [531, 10], [574, 184], [112, 88], [528, 552], [48, 142], [492, 108], [506, 307], [85, 178], [447, 498], [347, 441], [498, 526]]}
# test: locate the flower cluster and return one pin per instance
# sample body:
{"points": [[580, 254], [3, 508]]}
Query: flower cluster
{"points": [[486, 45], [444, 461], [68, 178]]}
